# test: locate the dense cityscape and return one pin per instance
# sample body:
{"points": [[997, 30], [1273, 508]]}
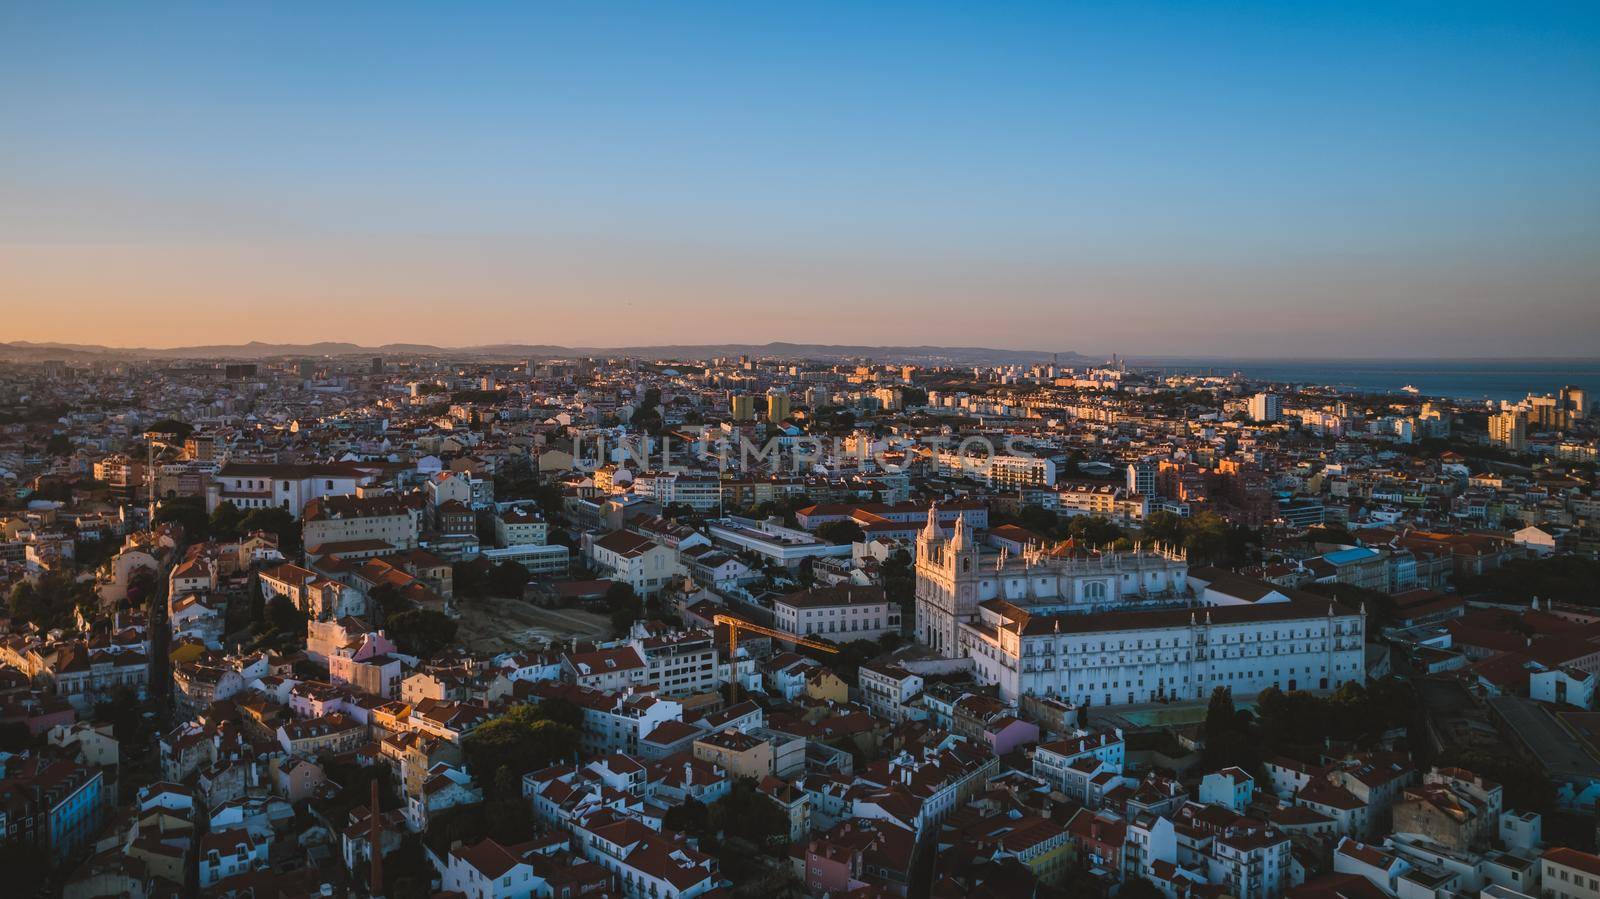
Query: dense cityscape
{"points": [[670, 626], [827, 450]]}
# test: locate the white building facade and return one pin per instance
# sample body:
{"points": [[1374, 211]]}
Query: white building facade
{"points": [[1123, 628]]}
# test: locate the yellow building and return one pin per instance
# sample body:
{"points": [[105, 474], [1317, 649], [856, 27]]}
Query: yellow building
{"points": [[825, 685], [741, 755], [743, 407], [1041, 845], [777, 405], [1509, 429]]}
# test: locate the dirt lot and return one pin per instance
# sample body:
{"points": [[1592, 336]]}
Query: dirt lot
{"points": [[503, 625]]}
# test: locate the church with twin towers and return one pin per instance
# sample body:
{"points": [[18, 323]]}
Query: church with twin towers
{"points": [[1108, 627]]}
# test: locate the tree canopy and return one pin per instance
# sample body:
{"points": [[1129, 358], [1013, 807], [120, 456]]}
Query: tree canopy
{"points": [[420, 632], [523, 739], [742, 819], [49, 601], [508, 579], [1208, 537], [278, 522], [840, 533], [1227, 734], [623, 605], [1571, 579], [1527, 787], [1352, 714], [225, 521], [188, 512]]}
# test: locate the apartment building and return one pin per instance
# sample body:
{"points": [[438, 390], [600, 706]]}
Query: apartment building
{"points": [[842, 614], [635, 560], [334, 520], [263, 485]]}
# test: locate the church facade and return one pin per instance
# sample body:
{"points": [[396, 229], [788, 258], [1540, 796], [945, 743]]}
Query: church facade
{"points": [[1119, 628]]}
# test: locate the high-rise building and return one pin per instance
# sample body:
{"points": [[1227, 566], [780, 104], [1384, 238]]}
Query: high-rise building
{"points": [[1546, 413], [1509, 429], [1575, 400], [1265, 407], [742, 407], [1142, 478], [377, 365], [777, 405]]}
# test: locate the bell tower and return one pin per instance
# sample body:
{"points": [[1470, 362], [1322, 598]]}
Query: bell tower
{"points": [[930, 539], [947, 583], [962, 557]]}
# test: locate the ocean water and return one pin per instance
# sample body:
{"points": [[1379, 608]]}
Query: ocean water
{"points": [[1460, 379]]}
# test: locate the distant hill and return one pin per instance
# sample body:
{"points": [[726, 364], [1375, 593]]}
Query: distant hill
{"points": [[24, 351]]}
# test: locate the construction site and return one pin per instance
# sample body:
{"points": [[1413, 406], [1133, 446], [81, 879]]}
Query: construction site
{"points": [[495, 624]]}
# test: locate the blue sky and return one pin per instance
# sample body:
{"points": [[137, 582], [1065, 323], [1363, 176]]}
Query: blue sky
{"points": [[1198, 178]]}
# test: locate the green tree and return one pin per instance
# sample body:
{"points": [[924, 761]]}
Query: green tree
{"points": [[1040, 520], [521, 740], [1205, 536], [258, 602], [1570, 579], [688, 817], [471, 577], [840, 533], [225, 521], [1298, 722], [1527, 787], [623, 605], [278, 522], [58, 445], [406, 872], [188, 512], [1093, 530], [285, 618], [49, 601], [508, 579], [142, 585], [388, 601], [506, 813], [421, 632], [847, 662], [748, 813], [561, 712], [1381, 610], [1221, 717], [900, 580], [1163, 527], [1228, 741]]}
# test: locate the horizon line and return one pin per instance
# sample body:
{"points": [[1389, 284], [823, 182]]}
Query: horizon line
{"points": [[1129, 358]]}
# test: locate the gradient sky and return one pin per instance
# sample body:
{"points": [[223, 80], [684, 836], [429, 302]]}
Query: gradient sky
{"points": [[1340, 179]]}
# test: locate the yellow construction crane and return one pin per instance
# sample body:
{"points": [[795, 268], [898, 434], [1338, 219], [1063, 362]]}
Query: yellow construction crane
{"points": [[735, 625]]}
